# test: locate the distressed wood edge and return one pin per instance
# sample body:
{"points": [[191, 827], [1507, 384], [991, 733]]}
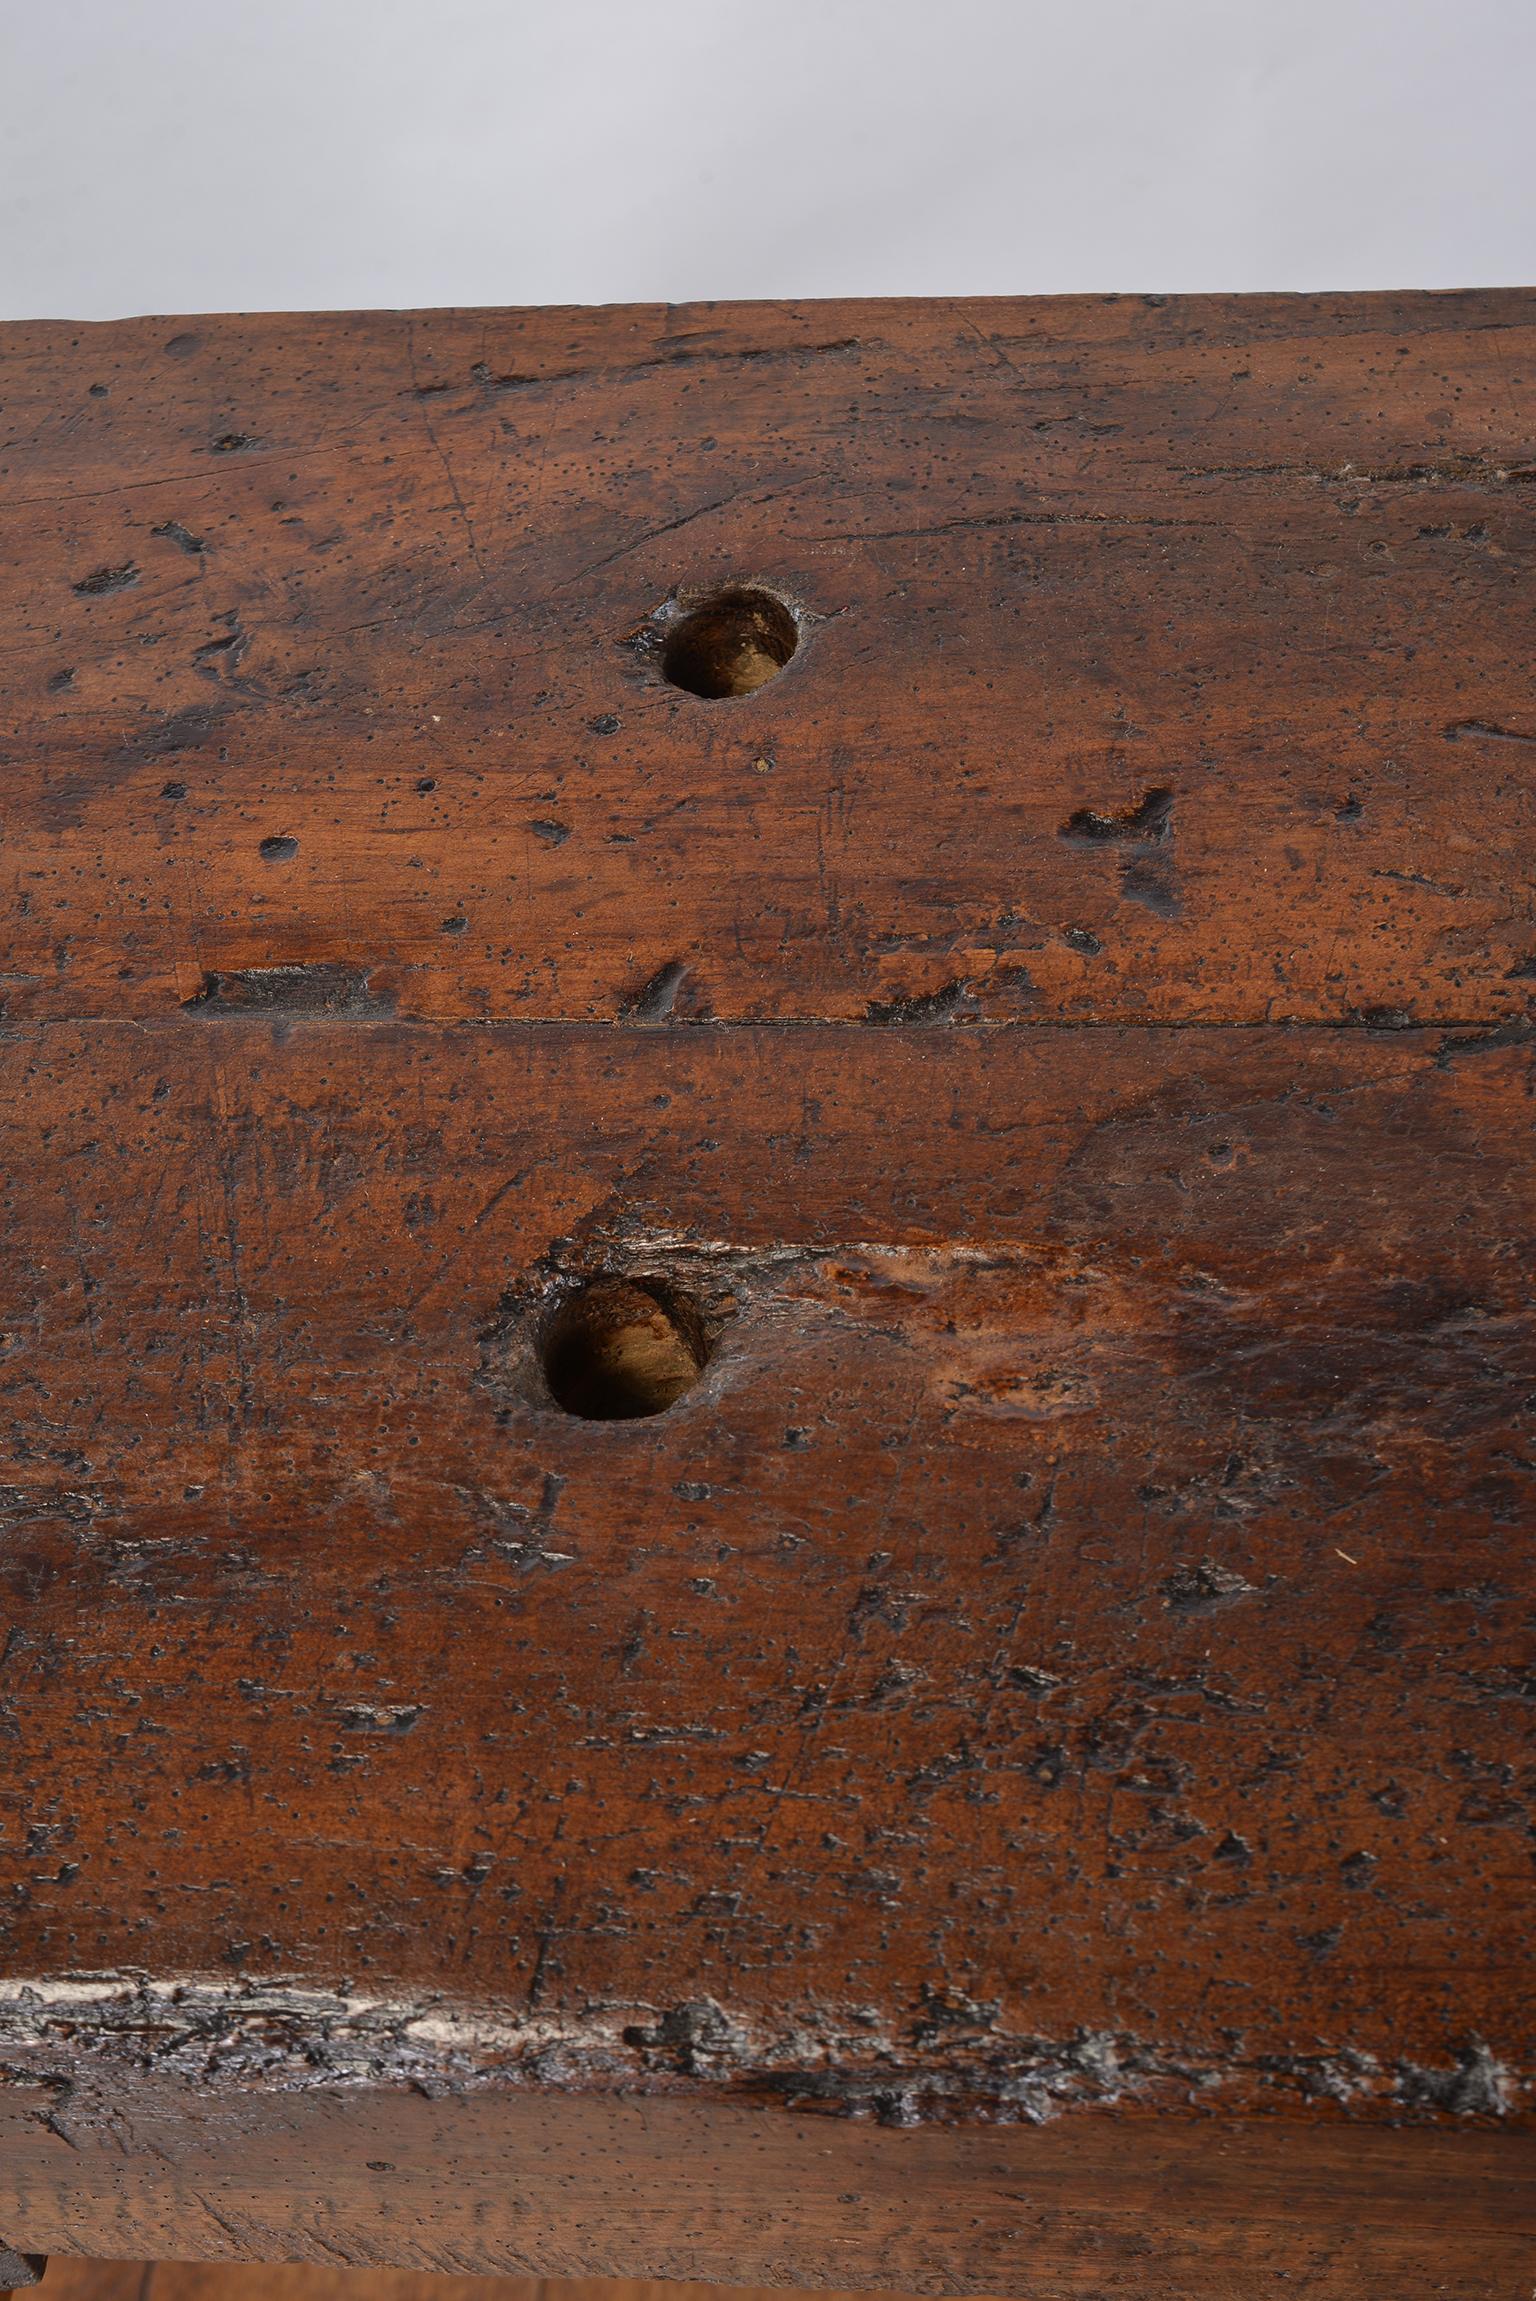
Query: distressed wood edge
{"points": [[1458, 306], [99, 2038]]}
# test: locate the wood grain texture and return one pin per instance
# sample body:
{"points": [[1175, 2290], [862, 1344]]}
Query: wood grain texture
{"points": [[1162, 2208], [1063, 1044], [363, 584], [1137, 1529], [93, 2280]]}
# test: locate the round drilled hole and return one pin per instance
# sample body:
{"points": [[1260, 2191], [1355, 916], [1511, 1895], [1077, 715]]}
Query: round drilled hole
{"points": [[731, 644], [621, 1348]]}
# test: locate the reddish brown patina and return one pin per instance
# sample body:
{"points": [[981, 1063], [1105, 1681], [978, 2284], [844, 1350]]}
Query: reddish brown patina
{"points": [[767, 1321]]}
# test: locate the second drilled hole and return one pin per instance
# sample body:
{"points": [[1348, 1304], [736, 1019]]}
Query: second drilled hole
{"points": [[730, 644], [620, 1348]]}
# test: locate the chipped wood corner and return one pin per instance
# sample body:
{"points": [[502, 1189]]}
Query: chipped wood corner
{"points": [[767, 1338]]}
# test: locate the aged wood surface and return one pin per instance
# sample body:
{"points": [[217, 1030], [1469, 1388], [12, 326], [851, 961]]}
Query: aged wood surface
{"points": [[1173, 2210], [1039, 1091], [81, 2279], [362, 585]]}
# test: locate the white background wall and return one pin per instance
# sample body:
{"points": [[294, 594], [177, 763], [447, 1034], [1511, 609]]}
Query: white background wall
{"points": [[182, 155]]}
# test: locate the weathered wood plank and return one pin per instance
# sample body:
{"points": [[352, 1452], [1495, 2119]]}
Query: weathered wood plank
{"points": [[1159, 2208], [360, 585], [1033, 1101], [1091, 1575]]}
